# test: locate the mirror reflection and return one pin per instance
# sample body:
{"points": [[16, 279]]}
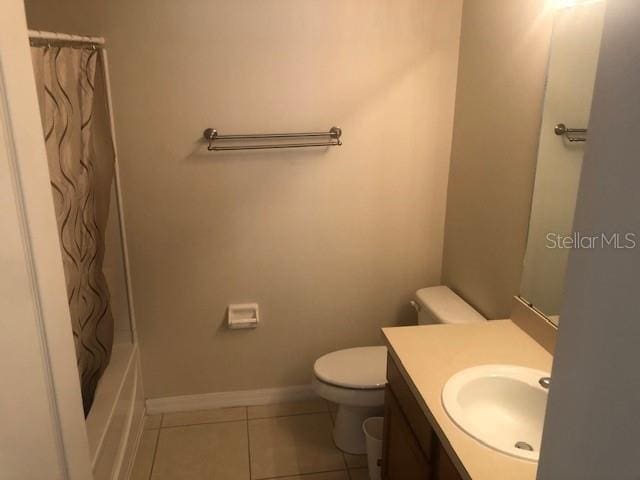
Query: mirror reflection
{"points": [[571, 74]]}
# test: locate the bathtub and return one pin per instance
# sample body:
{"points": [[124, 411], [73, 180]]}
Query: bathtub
{"points": [[115, 421]]}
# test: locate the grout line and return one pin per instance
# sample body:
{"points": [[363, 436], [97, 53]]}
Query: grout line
{"points": [[246, 412], [155, 451], [331, 414], [240, 420], [349, 470], [188, 412], [302, 474], [344, 457], [290, 415], [333, 424], [204, 423]]}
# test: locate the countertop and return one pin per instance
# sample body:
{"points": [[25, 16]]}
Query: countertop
{"points": [[429, 355]]}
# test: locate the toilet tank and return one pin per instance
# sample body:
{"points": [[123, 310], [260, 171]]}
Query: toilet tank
{"points": [[441, 305]]}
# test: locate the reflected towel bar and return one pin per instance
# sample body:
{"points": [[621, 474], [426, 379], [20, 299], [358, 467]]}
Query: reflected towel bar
{"points": [[561, 129], [212, 136]]}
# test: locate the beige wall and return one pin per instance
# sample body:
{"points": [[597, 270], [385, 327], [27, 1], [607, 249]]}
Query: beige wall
{"points": [[503, 57], [330, 243]]}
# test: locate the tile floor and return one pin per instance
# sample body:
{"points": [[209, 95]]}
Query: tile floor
{"points": [[289, 441]]}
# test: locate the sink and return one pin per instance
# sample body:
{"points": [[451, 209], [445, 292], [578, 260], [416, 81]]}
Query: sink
{"points": [[501, 406]]}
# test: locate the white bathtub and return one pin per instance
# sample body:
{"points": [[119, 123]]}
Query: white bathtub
{"points": [[115, 422]]}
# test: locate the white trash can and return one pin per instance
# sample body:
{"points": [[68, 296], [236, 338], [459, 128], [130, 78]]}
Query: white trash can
{"points": [[373, 427]]}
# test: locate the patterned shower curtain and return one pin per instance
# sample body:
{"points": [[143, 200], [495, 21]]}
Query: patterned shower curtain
{"points": [[74, 117]]}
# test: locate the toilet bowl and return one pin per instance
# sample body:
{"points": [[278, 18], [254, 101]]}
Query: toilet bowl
{"points": [[354, 379]]}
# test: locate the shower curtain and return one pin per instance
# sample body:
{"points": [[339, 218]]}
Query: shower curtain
{"points": [[81, 164]]}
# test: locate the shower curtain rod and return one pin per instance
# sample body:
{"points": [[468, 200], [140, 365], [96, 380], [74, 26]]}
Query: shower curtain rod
{"points": [[40, 38]]}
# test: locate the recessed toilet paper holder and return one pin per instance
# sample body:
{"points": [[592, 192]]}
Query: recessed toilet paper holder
{"points": [[242, 315]]}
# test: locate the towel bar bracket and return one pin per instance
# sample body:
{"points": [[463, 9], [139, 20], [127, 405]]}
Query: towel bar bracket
{"points": [[561, 129]]}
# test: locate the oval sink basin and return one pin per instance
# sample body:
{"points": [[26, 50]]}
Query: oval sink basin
{"points": [[501, 406]]}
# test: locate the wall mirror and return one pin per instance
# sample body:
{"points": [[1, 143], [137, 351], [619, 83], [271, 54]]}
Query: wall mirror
{"points": [[575, 45]]}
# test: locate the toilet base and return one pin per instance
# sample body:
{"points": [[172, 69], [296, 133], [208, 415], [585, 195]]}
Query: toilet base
{"points": [[347, 431]]}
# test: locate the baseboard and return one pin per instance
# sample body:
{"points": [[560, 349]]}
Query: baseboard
{"points": [[241, 398]]}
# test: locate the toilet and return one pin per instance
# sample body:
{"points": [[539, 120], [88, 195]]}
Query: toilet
{"points": [[355, 378]]}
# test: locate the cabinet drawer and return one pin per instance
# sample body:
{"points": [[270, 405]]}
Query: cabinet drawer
{"points": [[409, 406]]}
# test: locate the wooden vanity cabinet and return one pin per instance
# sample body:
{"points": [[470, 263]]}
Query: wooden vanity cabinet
{"points": [[411, 449], [402, 457]]}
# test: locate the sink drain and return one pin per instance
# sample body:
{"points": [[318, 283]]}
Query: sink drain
{"points": [[524, 446]]}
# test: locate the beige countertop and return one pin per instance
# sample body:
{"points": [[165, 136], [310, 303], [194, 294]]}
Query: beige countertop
{"points": [[429, 355]]}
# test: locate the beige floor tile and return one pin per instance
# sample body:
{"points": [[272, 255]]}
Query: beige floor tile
{"points": [[144, 457], [315, 405], [320, 476], [359, 474], [204, 416], [293, 445], [355, 461], [152, 421], [203, 452]]}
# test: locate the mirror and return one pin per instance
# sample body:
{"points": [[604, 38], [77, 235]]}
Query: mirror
{"points": [[575, 45]]}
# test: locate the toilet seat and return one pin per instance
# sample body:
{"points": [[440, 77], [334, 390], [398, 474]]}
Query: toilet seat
{"points": [[354, 379], [360, 368]]}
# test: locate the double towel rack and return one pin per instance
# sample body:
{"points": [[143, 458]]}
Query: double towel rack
{"points": [[214, 138], [569, 133]]}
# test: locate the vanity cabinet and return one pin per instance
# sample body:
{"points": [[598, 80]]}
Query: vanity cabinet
{"points": [[411, 449]]}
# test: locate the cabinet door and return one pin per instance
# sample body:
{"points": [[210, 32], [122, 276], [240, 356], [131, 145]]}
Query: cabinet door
{"points": [[444, 469], [402, 458]]}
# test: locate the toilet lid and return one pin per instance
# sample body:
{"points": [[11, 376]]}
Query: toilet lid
{"points": [[361, 367]]}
